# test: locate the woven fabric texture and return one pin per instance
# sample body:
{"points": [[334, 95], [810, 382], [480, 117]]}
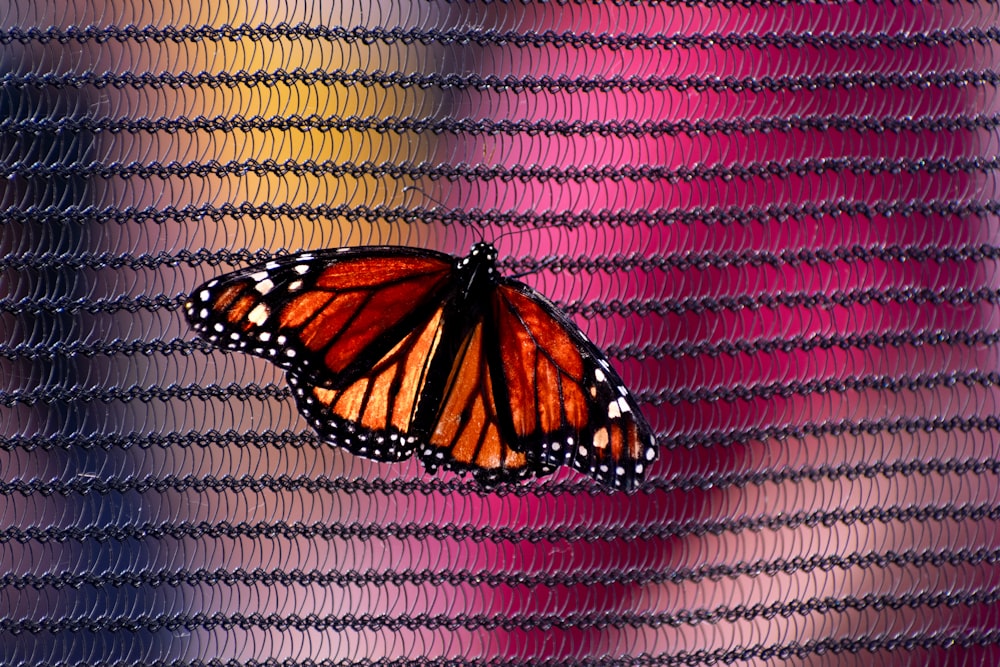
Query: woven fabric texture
{"points": [[779, 219]]}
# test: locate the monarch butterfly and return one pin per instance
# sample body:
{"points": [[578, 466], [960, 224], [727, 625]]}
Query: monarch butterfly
{"points": [[394, 350]]}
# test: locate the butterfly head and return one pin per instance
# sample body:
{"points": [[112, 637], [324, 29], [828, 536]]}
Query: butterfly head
{"points": [[477, 271], [482, 252]]}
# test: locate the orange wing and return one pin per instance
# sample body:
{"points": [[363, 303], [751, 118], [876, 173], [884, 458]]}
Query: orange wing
{"points": [[374, 415], [466, 434], [565, 401], [327, 316]]}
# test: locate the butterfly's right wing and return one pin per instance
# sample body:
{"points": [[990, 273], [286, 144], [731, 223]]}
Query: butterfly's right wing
{"points": [[327, 316], [524, 391], [564, 404]]}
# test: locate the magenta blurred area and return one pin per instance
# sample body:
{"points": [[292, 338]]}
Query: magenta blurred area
{"points": [[778, 219]]}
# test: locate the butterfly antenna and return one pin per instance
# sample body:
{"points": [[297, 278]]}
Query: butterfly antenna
{"points": [[511, 232], [545, 263], [411, 188]]}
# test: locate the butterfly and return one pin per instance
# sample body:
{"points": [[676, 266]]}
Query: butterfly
{"points": [[392, 351]]}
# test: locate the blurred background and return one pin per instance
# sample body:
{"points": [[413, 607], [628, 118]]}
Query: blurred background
{"points": [[780, 220]]}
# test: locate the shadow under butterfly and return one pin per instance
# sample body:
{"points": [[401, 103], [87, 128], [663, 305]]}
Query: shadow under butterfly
{"points": [[392, 351]]}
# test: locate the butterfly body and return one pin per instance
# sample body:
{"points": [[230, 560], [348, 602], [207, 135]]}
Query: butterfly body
{"points": [[393, 351]]}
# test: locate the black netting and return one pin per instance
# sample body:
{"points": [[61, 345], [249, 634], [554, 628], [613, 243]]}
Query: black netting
{"points": [[778, 219]]}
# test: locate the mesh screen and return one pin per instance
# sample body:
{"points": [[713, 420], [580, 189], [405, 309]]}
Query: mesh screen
{"points": [[779, 219]]}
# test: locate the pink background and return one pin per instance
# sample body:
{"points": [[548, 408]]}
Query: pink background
{"points": [[815, 345]]}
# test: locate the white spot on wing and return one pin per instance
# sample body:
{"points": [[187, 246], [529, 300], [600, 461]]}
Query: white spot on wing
{"points": [[265, 286], [601, 438], [259, 314]]}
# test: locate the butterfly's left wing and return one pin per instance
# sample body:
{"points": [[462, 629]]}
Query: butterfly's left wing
{"points": [[327, 316], [561, 400], [355, 328], [373, 415]]}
